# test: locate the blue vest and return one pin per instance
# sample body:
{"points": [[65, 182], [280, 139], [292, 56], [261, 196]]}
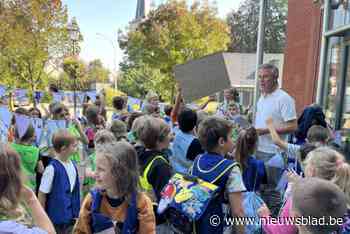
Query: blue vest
{"points": [[101, 222], [181, 144], [254, 174], [62, 205], [215, 169]]}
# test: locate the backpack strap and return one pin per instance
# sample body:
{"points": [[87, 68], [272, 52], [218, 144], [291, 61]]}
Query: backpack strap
{"points": [[216, 172], [99, 222], [131, 222], [143, 178]]}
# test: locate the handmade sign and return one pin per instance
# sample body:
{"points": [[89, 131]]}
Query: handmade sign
{"points": [[22, 124], [20, 95], [203, 77], [2, 90], [58, 96], [92, 95], [5, 123], [38, 125]]}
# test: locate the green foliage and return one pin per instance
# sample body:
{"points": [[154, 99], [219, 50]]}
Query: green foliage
{"points": [[244, 26], [33, 42], [173, 34], [73, 69], [97, 72]]}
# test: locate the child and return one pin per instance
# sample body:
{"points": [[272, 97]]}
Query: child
{"points": [[186, 146], [254, 172], [323, 163], [59, 189], [94, 123], [233, 114], [118, 128], [155, 169], [13, 217], [102, 137], [75, 128], [167, 112], [215, 137], [29, 156], [324, 200], [119, 105], [116, 205], [316, 135]]}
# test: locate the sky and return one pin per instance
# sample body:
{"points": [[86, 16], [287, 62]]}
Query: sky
{"points": [[99, 21]]}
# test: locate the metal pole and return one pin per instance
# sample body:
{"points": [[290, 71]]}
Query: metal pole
{"points": [[323, 55], [75, 86], [259, 51]]}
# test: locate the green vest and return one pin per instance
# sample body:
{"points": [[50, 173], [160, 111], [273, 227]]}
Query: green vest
{"points": [[29, 160]]}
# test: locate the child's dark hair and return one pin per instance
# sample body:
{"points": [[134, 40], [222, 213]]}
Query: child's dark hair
{"points": [[62, 138], [211, 130], [131, 119], [187, 120], [53, 88], [118, 103], [168, 109], [246, 145], [29, 134], [317, 133], [92, 114]]}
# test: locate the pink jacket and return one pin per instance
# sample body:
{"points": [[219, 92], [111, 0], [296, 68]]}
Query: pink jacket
{"points": [[284, 225]]}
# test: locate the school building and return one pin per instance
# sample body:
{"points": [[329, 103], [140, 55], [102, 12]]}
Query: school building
{"points": [[317, 63]]}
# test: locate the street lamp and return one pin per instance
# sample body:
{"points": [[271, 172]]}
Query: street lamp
{"points": [[74, 35], [102, 36]]}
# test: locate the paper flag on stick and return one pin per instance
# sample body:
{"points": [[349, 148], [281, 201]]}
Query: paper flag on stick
{"points": [[38, 125], [92, 95], [5, 117], [69, 96], [134, 101], [57, 96], [2, 90], [80, 97], [21, 95], [22, 124]]}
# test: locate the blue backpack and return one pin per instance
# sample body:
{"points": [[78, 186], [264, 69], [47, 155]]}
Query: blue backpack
{"points": [[190, 200]]}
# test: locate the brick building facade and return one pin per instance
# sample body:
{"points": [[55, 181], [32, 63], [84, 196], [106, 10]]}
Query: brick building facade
{"points": [[302, 50]]}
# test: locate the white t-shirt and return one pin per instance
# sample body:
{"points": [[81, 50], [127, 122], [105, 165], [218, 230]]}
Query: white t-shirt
{"points": [[281, 107], [47, 179]]}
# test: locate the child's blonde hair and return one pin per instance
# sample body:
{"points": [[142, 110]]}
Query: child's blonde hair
{"points": [[342, 179], [124, 166], [324, 161], [330, 165]]}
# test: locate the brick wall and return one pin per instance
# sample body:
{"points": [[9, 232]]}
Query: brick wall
{"points": [[302, 51]]}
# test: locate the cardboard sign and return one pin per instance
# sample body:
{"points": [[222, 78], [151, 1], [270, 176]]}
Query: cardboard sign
{"points": [[203, 77]]}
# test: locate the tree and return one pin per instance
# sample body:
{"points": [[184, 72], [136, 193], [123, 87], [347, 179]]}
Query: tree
{"points": [[146, 79], [244, 26], [96, 72], [173, 34], [74, 69], [33, 41]]}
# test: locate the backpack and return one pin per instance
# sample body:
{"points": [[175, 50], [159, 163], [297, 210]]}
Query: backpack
{"points": [[187, 198], [101, 222]]}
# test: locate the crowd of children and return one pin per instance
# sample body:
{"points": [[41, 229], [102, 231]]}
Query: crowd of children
{"points": [[99, 175]]}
